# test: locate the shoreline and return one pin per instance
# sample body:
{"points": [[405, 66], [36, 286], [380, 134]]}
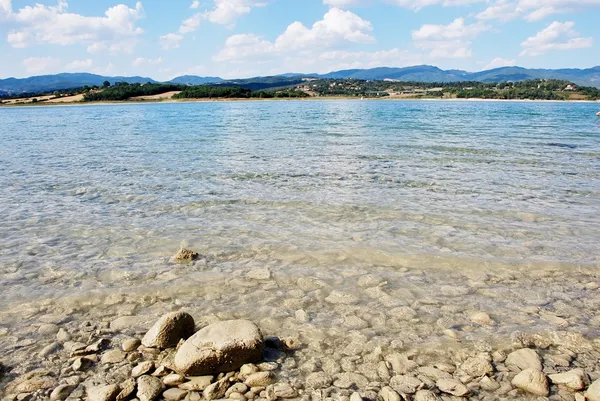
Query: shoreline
{"points": [[318, 99]]}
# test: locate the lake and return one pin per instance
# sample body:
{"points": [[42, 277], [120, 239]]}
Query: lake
{"points": [[380, 222]]}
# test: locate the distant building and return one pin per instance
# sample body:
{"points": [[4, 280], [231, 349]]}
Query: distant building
{"points": [[571, 87]]}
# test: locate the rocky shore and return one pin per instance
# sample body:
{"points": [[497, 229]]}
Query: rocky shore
{"points": [[420, 349]]}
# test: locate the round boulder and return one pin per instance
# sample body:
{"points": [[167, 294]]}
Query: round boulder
{"points": [[169, 329], [220, 347]]}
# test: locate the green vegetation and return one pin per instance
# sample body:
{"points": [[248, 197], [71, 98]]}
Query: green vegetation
{"points": [[124, 91], [211, 92], [539, 89]]}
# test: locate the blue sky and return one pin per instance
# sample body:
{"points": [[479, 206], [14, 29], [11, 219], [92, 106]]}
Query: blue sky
{"points": [[242, 38]]}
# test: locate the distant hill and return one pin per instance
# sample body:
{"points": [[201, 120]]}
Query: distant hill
{"points": [[45, 83], [419, 73], [194, 80]]}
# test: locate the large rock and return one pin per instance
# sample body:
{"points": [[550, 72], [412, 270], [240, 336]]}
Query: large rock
{"points": [[220, 347], [169, 329], [452, 386], [533, 381], [522, 359]]}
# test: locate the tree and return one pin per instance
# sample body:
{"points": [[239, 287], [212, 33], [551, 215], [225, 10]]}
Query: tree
{"points": [[106, 84]]}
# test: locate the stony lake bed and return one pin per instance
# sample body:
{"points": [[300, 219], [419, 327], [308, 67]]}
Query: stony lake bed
{"points": [[379, 254]]}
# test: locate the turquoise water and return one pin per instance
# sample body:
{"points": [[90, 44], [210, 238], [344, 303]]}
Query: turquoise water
{"points": [[96, 199]]}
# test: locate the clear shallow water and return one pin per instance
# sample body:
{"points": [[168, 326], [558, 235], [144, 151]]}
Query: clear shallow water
{"points": [[467, 205]]}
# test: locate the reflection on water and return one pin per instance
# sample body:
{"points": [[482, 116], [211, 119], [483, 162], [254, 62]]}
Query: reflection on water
{"points": [[460, 205]]}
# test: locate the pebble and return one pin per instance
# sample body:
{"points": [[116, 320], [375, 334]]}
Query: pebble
{"points": [[425, 395], [389, 394], [48, 329], [259, 379], [130, 344], [482, 319], [174, 394], [113, 356], [61, 392], [405, 384], [142, 368], [198, 383], [593, 391], [532, 381], [259, 274], [574, 379], [103, 393], [522, 359], [149, 388], [318, 380], [452, 386], [169, 330], [216, 390], [127, 389], [36, 383], [173, 379], [63, 336], [49, 349]]}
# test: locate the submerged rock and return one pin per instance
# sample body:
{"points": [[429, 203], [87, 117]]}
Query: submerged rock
{"points": [[185, 255], [220, 347], [169, 329]]}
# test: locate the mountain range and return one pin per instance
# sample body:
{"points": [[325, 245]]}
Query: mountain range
{"points": [[421, 73]]}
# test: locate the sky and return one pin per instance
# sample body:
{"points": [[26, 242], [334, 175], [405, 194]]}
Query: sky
{"points": [[163, 39]]}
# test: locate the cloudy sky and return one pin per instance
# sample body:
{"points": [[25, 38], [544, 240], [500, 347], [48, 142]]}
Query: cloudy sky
{"points": [[241, 38]]}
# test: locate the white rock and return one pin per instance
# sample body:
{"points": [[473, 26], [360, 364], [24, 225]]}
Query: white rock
{"points": [[405, 384], [575, 379], [452, 386], [197, 383], [61, 392], [169, 330], [425, 395], [216, 390], [103, 393], [174, 394], [482, 319], [593, 391], [130, 344], [220, 347], [113, 356], [533, 381], [142, 368], [149, 388], [174, 379], [522, 359], [388, 394]]}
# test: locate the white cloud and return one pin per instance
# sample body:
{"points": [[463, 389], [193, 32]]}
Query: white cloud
{"points": [[337, 26], [556, 36], [195, 4], [499, 62], [5, 8], [448, 41], [19, 40], [79, 65], [191, 24], [54, 25], [534, 10], [170, 41], [226, 12], [415, 5], [146, 61], [39, 65]]}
